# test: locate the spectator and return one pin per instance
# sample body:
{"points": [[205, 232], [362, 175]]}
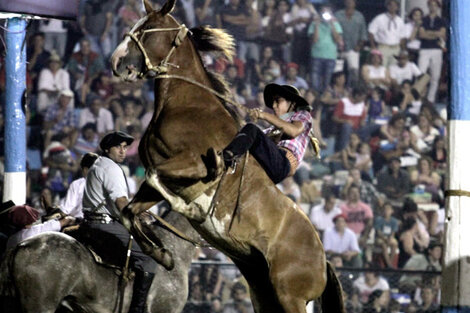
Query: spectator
{"points": [[425, 179], [205, 12], [342, 240], [88, 140], [354, 29], [24, 218], [377, 302], [129, 13], [386, 227], [423, 134], [52, 80], [96, 114], [387, 32], [96, 23], [430, 261], [359, 216], [432, 34], [301, 14], [291, 77], [37, 57], [409, 242], [369, 282], [84, 66], [376, 105], [367, 191], [322, 215], [350, 113], [428, 295], [394, 182], [276, 30], [406, 100], [405, 70], [374, 73], [438, 154], [61, 118], [239, 302], [71, 204], [415, 20], [129, 118], [326, 34]]}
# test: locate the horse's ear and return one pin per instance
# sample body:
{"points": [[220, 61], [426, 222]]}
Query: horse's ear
{"points": [[168, 7], [148, 6]]}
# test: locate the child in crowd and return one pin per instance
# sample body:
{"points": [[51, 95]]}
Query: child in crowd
{"points": [[376, 105]]}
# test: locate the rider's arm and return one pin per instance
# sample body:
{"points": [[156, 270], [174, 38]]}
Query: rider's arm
{"points": [[291, 129], [121, 202]]}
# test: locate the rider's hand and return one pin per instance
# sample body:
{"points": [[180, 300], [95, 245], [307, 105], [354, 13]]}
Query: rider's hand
{"points": [[254, 114]]}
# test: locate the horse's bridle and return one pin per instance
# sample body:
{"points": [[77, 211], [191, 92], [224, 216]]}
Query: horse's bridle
{"points": [[150, 69]]}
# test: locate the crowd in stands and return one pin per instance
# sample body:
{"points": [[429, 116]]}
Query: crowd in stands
{"points": [[378, 89]]}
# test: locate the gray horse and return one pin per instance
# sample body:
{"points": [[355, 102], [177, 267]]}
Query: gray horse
{"points": [[54, 271]]}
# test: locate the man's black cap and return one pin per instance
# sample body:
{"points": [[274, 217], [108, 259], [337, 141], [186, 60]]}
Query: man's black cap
{"points": [[114, 139]]}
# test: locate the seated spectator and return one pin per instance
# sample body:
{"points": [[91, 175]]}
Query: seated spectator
{"points": [[291, 77], [52, 80], [88, 140], [359, 216], [409, 242], [376, 105], [290, 188], [102, 85], [61, 165], [95, 113], [406, 70], [438, 154], [423, 134], [322, 214], [342, 240], [386, 227], [425, 179], [429, 261], [364, 161], [429, 305], [129, 118], [394, 182], [377, 302], [24, 218], [61, 118], [368, 282], [374, 74], [71, 204], [239, 302], [367, 191], [406, 100], [410, 209]]}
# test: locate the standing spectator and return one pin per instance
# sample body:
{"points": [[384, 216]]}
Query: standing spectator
{"points": [[239, 302], [96, 23], [322, 214], [84, 66], [432, 34], [342, 240], [301, 14], [413, 44], [354, 35], [96, 114], [52, 80], [359, 216], [129, 13], [292, 78], [71, 204], [205, 12], [55, 35], [326, 34], [37, 57], [276, 30], [394, 182], [387, 32]]}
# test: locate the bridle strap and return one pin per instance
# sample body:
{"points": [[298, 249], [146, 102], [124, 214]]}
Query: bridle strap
{"points": [[163, 66]]}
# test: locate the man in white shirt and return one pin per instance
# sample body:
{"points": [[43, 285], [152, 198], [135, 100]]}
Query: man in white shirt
{"points": [[406, 70], [96, 114], [342, 240], [387, 32], [322, 214], [71, 204]]}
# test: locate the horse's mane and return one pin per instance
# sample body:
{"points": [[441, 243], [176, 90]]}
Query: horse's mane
{"points": [[208, 39]]}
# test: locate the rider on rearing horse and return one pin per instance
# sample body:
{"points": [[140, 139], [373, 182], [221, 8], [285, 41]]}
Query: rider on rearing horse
{"points": [[291, 119]]}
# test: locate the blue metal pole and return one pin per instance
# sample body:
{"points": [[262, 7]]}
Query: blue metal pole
{"points": [[15, 125], [456, 270]]}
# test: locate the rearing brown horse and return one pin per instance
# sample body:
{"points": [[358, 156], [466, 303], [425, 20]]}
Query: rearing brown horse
{"points": [[268, 237]]}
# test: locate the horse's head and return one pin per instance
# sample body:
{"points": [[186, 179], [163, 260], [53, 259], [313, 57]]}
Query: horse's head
{"points": [[147, 48]]}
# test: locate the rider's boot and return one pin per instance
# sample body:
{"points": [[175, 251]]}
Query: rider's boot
{"points": [[142, 283]]}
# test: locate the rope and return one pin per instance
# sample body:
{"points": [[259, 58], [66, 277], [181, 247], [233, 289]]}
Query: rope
{"points": [[237, 204], [457, 193]]}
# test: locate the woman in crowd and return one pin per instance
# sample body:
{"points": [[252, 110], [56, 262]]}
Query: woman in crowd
{"points": [[374, 74], [415, 19], [409, 242]]}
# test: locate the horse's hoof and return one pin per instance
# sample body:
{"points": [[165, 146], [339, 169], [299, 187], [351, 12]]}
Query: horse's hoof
{"points": [[163, 257]]}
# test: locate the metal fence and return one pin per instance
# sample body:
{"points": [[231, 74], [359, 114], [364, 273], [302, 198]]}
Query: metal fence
{"points": [[210, 284]]}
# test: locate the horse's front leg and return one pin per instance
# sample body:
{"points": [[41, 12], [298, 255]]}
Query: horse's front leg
{"points": [[150, 244]]}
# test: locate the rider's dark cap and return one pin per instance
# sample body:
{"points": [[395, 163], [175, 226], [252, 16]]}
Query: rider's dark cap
{"points": [[288, 92], [114, 139]]}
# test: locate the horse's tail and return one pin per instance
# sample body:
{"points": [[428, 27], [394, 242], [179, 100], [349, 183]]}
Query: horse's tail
{"points": [[8, 299], [332, 296]]}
